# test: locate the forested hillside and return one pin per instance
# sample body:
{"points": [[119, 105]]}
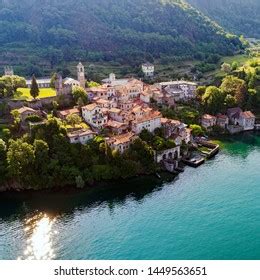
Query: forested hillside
{"points": [[46, 32], [238, 16]]}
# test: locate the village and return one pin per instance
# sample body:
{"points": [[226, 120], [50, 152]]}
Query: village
{"points": [[121, 110]]}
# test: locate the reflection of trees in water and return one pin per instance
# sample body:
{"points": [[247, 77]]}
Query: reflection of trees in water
{"points": [[13, 206], [242, 145]]}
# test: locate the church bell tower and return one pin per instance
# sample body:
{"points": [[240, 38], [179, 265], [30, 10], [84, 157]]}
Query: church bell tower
{"points": [[81, 75]]}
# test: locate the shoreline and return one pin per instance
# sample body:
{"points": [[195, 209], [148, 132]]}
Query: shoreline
{"points": [[164, 175]]}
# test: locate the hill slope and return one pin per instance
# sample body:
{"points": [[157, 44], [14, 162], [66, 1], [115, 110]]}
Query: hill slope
{"points": [[238, 16], [126, 31]]}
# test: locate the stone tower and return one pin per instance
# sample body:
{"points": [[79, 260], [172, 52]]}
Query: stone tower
{"points": [[81, 75], [112, 77], [59, 84], [9, 71]]}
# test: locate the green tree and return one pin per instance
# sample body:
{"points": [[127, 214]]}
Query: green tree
{"points": [[226, 67], [92, 84], [213, 100], [197, 130], [235, 87], [41, 163], [74, 119], [10, 84], [234, 65], [79, 95], [34, 91], [3, 163], [54, 78], [230, 101], [16, 120], [20, 159], [200, 91], [146, 136]]}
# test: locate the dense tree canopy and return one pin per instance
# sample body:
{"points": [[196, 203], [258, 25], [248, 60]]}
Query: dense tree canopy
{"points": [[240, 17], [132, 31], [10, 84]]}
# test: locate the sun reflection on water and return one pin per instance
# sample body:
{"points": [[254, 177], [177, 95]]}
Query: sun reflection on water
{"points": [[39, 230]]}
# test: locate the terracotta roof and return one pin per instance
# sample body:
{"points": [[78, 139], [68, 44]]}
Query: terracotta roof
{"points": [[115, 124], [97, 89], [136, 109], [147, 110], [25, 109], [248, 114], [121, 139], [115, 110], [69, 112], [208, 117], [153, 115], [90, 107], [221, 116], [174, 122], [105, 110], [79, 133], [102, 101]]}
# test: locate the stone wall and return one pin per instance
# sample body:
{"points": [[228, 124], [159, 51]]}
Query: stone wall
{"points": [[38, 103], [168, 154]]}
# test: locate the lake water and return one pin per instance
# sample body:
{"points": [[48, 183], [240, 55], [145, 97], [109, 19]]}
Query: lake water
{"points": [[212, 212]]}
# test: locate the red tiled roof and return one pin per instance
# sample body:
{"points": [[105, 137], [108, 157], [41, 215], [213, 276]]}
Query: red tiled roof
{"points": [[248, 114], [208, 117]]}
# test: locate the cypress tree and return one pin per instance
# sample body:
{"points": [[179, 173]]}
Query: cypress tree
{"points": [[34, 88]]}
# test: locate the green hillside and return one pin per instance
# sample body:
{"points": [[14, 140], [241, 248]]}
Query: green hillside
{"points": [[238, 16], [38, 35]]}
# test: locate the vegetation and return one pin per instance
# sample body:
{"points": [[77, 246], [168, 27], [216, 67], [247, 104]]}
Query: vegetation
{"points": [[10, 84], [24, 93], [80, 96], [157, 141], [129, 34], [239, 17], [46, 159], [34, 91], [187, 114]]}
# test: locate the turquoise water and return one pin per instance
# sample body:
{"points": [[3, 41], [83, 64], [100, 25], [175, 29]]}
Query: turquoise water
{"points": [[212, 212]]}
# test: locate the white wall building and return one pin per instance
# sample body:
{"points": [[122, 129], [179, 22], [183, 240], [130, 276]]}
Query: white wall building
{"points": [[42, 83], [180, 90], [81, 136], [150, 123], [148, 69], [208, 121], [94, 116], [71, 82], [121, 142]]}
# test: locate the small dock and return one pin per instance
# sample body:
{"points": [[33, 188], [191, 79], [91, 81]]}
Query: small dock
{"points": [[194, 162], [213, 149]]}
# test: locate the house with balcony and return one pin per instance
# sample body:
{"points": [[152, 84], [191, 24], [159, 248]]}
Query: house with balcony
{"points": [[94, 115], [81, 136], [121, 142], [208, 121], [149, 122], [245, 120]]}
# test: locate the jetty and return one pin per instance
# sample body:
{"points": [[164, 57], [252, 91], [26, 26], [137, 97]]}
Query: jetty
{"points": [[212, 149], [194, 162], [205, 150]]}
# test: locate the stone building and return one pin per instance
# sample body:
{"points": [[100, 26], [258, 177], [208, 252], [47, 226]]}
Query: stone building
{"points": [[8, 71], [81, 75]]}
